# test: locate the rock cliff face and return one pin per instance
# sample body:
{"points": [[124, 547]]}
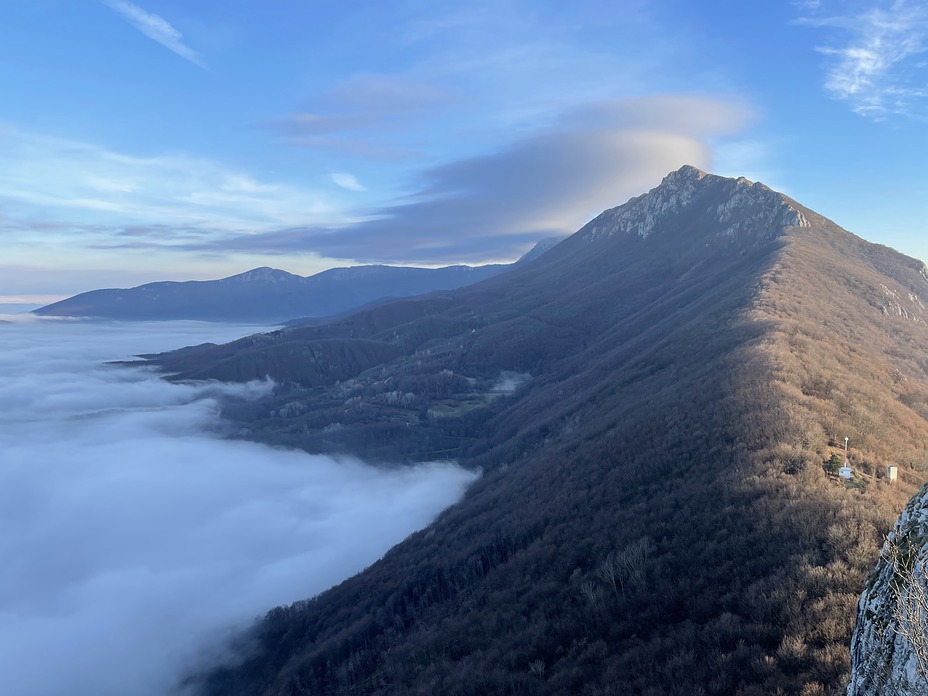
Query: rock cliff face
{"points": [[883, 661]]}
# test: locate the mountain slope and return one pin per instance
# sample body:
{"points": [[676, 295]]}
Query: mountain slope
{"points": [[654, 515], [267, 294]]}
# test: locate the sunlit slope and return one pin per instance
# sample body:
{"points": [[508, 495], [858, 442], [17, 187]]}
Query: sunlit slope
{"points": [[654, 516]]}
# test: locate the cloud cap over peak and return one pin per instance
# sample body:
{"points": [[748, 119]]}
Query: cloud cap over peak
{"points": [[495, 205]]}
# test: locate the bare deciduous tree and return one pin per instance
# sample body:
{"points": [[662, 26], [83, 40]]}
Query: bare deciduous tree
{"points": [[910, 587]]}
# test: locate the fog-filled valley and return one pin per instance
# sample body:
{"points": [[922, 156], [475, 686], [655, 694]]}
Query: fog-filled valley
{"points": [[135, 536]]}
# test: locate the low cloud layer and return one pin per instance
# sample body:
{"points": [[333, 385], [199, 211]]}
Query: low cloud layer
{"points": [[496, 205], [134, 539]]}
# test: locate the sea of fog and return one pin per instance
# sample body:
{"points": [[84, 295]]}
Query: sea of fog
{"points": [[134, 539]]}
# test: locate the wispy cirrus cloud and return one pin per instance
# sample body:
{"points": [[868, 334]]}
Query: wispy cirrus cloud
{"points": [[876, 54], [66, 183], [355, 114], [66, 204], [156, 28], [347, 181]]}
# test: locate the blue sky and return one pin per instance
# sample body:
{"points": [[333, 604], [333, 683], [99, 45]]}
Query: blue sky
{"points": [[163, 139]]}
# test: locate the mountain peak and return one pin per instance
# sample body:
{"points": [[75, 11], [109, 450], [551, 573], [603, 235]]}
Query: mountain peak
{"points": [[690, 200], [540, 248], [685, 173], [264, 274]]}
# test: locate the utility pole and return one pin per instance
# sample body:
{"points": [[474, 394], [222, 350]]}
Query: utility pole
{"points": [[845, 451]]}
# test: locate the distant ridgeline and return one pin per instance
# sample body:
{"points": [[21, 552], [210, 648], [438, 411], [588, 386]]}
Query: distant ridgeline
{"points": [[655, 514], [268, 295]]}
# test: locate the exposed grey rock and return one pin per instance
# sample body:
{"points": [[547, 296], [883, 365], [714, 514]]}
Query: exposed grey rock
{"points": [[744, 207], [894, 304], [883, 662]]}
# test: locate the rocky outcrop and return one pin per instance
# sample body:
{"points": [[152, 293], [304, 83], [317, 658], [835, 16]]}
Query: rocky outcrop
{"points": [[893, 304], [883, 661], [743, 207]]}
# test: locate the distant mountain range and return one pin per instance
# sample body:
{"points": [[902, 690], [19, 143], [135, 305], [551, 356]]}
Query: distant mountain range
{"points": [[657, 512], [269, 295]]}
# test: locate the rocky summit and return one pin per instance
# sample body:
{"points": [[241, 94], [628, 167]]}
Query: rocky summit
{"points": [[743, 208]]}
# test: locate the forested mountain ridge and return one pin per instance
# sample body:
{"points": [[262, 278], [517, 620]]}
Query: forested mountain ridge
{"points": [[271, 295], [655, 514]]}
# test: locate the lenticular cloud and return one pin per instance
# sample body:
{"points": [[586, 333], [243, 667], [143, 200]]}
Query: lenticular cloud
{"points": [[133, 537]]}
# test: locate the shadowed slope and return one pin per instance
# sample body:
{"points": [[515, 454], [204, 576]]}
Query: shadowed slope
{"points": [[654, 516]]}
